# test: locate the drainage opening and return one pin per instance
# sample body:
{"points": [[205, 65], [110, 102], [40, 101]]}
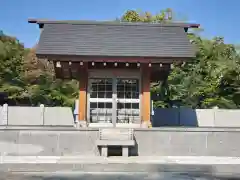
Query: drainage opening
{"points": [[114, 150]]}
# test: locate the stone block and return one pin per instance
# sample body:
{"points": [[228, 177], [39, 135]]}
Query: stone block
{"points": [[205, 117], [223, 144], [24, 116], [78, 143], [151, 143], [38, 143], [227, 118], [58, 116], [188, 143], [9, 142], [9, 136]]}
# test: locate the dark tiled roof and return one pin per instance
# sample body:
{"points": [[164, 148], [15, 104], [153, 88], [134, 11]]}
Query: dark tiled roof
{"points": [[114, 39]]}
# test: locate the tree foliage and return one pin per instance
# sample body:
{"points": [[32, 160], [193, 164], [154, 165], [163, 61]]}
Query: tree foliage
{"points": [[210, 79], [30, 81], [139, 16]]}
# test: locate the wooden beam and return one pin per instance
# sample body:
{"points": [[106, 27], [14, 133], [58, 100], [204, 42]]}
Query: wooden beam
{"points": [[75, 58]]}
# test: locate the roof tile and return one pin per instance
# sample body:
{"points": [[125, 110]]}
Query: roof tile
{"points": [[114, 40]]}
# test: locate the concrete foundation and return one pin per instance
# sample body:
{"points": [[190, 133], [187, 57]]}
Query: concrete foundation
{"points": [[178, 167], [149, 142]]}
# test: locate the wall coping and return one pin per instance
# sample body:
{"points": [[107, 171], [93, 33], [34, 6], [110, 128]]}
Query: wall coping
{"points": [[191, 129], [162, 129]]}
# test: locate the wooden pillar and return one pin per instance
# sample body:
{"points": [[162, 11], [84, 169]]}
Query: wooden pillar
{"points": [[83, 83], [146, 98]]}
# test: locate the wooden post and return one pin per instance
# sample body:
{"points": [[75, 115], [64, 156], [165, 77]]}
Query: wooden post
{"points": [[83, 81], [146, 98]]}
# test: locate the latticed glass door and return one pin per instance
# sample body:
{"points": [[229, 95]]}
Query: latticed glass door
{"points": [[100, 100], [127, 100], [113, 100]]}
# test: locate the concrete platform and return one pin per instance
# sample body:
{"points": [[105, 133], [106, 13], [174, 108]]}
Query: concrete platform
{"points": [[191, 166], [111, 176], [103, 176]]}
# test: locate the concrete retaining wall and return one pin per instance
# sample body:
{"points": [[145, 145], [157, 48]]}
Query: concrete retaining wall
{"points": [[36, 116], [188, 142], [196, 117], [149, 142]]}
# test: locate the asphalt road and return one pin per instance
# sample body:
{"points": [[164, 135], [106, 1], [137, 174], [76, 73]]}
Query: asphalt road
{"points": [[106, 176]]}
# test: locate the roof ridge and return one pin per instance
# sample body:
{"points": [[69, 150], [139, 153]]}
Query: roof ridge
{"points": [[114, 23]]}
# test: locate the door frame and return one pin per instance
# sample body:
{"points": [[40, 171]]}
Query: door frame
{"points": [[114, 73]]}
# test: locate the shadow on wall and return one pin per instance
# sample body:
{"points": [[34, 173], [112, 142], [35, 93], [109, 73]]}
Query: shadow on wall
{"points": [[175, 117], [196, 117], [134, 150]]}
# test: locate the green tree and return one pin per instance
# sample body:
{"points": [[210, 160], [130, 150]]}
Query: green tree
{"points": [[43, 87], [29, 80], [140, 16], [11, 66], [210, 79]]}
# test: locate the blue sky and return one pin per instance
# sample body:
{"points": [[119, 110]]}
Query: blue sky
{"points": [[217, 17]]}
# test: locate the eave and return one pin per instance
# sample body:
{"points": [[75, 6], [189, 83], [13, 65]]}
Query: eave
{"points": [[123, 59]]}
